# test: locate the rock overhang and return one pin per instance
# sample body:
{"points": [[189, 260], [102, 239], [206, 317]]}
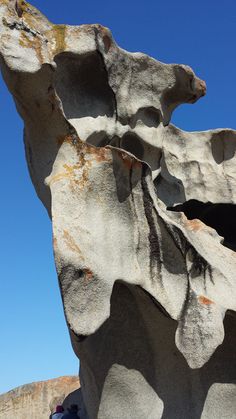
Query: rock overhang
{"points": [[106, 163]]}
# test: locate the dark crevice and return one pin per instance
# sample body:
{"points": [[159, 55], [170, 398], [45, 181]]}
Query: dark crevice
{"points": [[154, 301], [155, 259], [18, 9], [149, 116], [221, 217]]}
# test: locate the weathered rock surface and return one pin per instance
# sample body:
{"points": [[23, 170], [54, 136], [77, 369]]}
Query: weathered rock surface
{"points": [[38, 400], [145, 288]]}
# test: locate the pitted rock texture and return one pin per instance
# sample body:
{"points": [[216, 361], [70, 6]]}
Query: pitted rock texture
{"points": [[126, 191], [38, 400]]}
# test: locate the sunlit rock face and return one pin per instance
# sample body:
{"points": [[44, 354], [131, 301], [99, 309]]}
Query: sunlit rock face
{"points": [[143, 217], [39, 400]]}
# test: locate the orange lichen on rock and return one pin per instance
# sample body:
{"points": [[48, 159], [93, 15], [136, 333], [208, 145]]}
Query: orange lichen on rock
{"points": [[34, 42], [78, 174], [57, 36], [54, 241], [205, 300], [100, 154], [106, 37], [68, 138], [194, 225], [88, 274], [71, 243]]}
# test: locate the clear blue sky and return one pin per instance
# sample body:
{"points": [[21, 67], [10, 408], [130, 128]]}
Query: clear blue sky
{"points": [[34, 340]]}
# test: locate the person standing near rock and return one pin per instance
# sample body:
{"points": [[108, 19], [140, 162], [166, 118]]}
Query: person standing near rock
{"points": [[59, 412], [72, 413]]}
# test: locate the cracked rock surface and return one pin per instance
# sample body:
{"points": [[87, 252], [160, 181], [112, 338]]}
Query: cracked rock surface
{"points": [[143, 217]]}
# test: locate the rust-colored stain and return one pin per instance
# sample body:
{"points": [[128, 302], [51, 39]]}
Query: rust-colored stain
{"points": [[54, 241], [88, 274], [64, 139], [129, 161], [107, 42], [77, 174], [204, 300], [71, 243], [83, 165], [106, 36], [100, 154], [194, 225], [58, 177]]}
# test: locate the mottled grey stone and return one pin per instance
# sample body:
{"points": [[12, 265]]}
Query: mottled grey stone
{"points": [[145, 288]]}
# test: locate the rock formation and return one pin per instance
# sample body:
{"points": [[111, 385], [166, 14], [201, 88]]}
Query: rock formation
{"points": [[38, 400], [148, 288]]}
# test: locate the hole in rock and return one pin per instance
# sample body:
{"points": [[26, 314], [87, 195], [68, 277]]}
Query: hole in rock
{"points": [[98, 139], [130, 142], [150, 116], [221, 217], [223, 146], [82, 85]]}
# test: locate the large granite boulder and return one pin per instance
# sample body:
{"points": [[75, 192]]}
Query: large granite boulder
{"points": [[143, 217], [39, 400]]}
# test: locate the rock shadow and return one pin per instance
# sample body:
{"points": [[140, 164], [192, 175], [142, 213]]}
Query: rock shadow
{"points": [[220, 216], [82, 84], [140, 337], [223, 145]]}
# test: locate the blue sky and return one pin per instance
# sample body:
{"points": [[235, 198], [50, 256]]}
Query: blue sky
{"points": [[34, 340]]}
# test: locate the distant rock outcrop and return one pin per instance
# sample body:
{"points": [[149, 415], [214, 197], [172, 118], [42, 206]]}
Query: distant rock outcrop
{"points": [[38, 400]]}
